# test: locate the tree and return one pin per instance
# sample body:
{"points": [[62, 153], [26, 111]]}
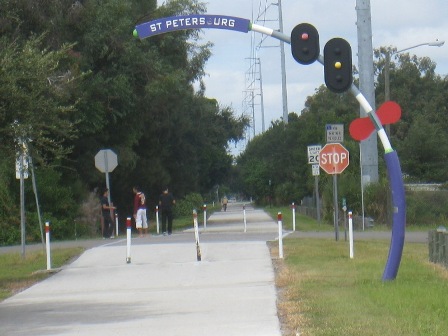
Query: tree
{"points": [[416, 87], [283, 148], [36, 105], [36, 109]]}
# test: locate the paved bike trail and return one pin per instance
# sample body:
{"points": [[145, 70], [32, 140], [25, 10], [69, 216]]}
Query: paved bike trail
{"points": [[165, 290]]}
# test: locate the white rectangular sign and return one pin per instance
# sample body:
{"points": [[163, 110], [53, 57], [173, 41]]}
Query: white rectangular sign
{"points": [[21, 164], [315, 169], [334, 132], [313, 154]]}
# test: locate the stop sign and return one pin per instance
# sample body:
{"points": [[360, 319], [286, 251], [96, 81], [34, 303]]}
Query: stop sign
{"points": [[106, 160], [333, 158]]}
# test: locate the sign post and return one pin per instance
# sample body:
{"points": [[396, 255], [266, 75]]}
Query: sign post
{"points": [[22, 174], [344, 208], [333, 159], [313, 159]]}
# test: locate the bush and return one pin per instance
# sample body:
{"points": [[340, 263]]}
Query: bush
{"points": [[9, 207], [9, 234], [375, 200], [287, 193], [185, 206], [427, 207], [89, 220]]}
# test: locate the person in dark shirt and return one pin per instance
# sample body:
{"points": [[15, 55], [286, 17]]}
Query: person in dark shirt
{"points": [[105, 212], [166, 202]]}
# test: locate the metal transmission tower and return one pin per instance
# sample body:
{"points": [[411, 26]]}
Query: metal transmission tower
{"points": [[254, 83], [253, 95]]}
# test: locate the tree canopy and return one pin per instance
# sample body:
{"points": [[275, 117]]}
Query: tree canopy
{"points": [[73, 80]]}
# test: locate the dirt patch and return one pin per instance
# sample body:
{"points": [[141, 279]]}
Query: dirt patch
{"points": [[288, 304], [18, 286]]}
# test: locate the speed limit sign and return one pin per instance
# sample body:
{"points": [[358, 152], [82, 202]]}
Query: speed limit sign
{"points": [[313, 154]]}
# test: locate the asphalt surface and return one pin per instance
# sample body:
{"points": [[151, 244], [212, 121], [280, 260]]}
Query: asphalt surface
{"points": [[164, 290]]}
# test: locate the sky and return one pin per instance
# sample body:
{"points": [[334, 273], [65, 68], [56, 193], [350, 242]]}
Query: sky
{"points": [[398, 23]]}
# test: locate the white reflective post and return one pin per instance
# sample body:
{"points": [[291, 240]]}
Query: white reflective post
{"points": [[196, 235], [244, 218], [128, 240], [350, 233], [280, 235], [116, 224], [205, 216], [157, 218], [47, 239], [293, 217]]}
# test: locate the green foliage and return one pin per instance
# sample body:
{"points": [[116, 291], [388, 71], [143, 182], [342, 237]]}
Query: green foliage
{"points": [[139, 100], [35, 105], [7, 181], [56, 205], [74, 81], [303, 223], [9, 234], [53, 194], [185, 206], [427, 207], [9, 207], [279, 155], [421, 94], [424, 156], [375, 201]]}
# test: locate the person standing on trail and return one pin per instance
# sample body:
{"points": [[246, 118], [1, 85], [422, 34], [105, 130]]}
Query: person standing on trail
{"points": [[224, 203], [108, 226], [141, 222], [166, 202]]}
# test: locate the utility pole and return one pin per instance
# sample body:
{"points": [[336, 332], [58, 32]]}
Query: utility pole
{"points": [[283, 67], [369, 149]]}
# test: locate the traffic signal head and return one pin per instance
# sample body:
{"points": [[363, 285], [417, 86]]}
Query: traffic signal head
{"points": [[305, 43], [338, 65]]}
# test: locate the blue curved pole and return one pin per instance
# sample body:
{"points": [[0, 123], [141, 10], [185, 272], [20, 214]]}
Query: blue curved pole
{"points": [[164, 25], [397, 188], [399, 216]]}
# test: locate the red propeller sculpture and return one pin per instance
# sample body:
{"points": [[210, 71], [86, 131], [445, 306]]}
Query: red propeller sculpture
{"points": [[388, 113]]}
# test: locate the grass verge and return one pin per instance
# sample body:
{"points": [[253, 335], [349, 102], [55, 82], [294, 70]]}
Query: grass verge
{"points": [[18, 273], [303, 223], [324, 292]]}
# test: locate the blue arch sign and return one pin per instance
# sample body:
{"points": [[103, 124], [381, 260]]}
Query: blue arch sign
{"points": [[173, 23]]}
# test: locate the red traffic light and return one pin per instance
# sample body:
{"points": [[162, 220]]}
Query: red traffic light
{"points": [[305, 43]]}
